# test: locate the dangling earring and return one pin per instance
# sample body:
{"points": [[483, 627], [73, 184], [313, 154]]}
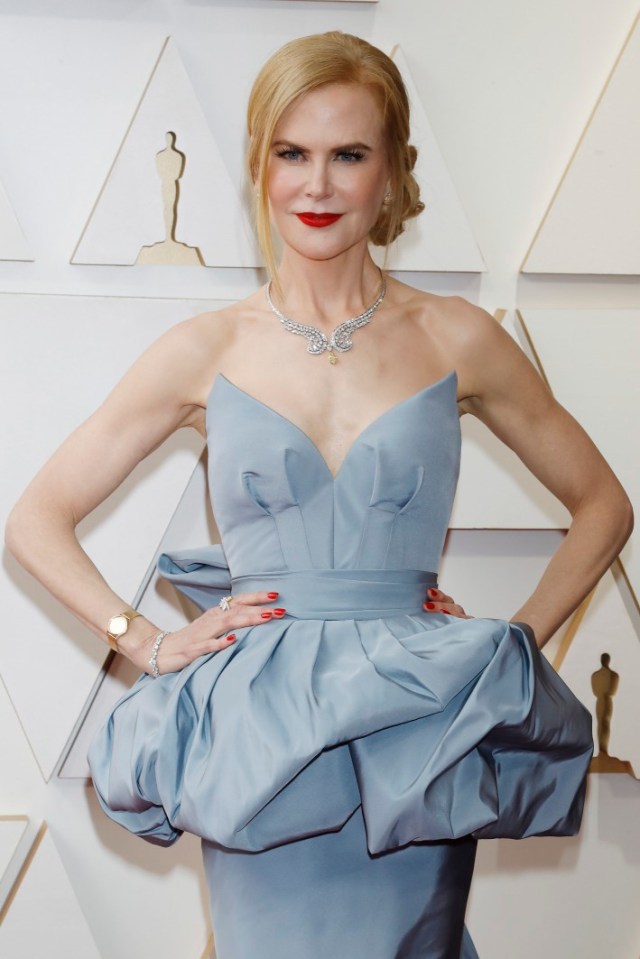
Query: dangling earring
{"points": [[386, 200]]}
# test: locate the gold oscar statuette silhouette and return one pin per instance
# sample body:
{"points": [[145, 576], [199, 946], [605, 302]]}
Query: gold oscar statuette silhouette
{"points": [[604, 684], [170, 163]]}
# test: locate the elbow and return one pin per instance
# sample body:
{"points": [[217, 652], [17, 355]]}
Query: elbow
{"points": [[16, 532], [608, 508], [35, 524], [621, 517], [626, 518], [28, 527]]}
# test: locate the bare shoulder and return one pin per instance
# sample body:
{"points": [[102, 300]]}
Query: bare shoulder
{"points": [[451, 316], [212, 329], [172, 377], [489, 363], [451, 325], [493, 370], [217, 329], [462, 324], [195, 347]]}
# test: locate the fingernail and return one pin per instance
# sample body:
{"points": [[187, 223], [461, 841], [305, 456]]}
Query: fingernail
{"points": [[266, 615], [447, 611], [231, 638], [273, 595], [432, 592], [430, 605], [279, 612]]}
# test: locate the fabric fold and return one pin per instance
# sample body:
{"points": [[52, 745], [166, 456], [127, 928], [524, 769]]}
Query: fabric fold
{"points": [[202, 574]]}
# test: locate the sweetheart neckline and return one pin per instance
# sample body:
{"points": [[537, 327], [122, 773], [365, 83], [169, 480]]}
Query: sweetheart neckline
{"points": [[392, 409]]}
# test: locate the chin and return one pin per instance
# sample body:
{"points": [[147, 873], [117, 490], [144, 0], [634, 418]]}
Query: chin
{"points": [[324, 248]]}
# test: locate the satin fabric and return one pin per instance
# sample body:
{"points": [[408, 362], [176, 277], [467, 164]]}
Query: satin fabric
{"points": [[360, 743]]}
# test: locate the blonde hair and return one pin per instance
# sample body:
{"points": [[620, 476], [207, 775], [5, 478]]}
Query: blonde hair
{"points": [[303, 65]]}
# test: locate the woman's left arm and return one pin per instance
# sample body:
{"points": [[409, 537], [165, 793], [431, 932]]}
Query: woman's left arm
{"points": [[503, 389]]}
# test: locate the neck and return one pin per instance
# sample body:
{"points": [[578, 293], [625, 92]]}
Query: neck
{"points": [[324, 293]]}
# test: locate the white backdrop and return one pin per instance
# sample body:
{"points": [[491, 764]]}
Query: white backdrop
{"points": [[523, 113]]}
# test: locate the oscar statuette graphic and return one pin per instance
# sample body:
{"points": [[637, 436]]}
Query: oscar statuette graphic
{"points": [[604, 683], [170, 163]]}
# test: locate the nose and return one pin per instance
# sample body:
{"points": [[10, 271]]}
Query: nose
{"points": [[318, 183]]}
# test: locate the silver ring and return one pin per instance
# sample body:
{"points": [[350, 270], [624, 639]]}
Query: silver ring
{"points": [[225, 603]]}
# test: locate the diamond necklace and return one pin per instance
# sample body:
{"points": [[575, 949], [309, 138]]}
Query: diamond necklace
{"points": [[340, 339]]}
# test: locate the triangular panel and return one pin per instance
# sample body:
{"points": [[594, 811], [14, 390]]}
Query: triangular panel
{"points": [[592, 224], [440, 239], [44, 917], [12, 831], [13, 244], [129, 213]]}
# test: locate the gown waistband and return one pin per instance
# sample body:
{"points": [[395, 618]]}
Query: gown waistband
{"points": [[342, 593]]}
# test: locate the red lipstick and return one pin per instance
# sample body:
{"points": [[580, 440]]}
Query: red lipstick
{"points": [[318, 219]]}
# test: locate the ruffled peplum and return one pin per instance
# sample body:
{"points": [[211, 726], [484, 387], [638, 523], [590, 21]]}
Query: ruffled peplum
{"points": [[438, 727]]}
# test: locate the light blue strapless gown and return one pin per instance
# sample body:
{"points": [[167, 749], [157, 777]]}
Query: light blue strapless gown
{"points": [[341, 763]]}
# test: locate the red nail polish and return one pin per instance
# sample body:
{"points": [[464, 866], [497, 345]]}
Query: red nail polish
{"points": [[231, 637], [430, 605], [432, 592], [279, 612], [273, 595], [266, 615], [447, 611]]}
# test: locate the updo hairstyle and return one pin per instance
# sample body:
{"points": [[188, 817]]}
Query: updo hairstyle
{"points": [[305, 64]]}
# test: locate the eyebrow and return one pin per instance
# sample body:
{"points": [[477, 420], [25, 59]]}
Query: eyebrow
{"points": [[336, 149]]}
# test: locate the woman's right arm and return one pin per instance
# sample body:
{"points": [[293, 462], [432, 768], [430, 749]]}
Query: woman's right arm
{"points": [[163, 391]]}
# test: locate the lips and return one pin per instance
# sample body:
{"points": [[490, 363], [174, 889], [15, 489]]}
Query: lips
{"points": [[318, 219]]}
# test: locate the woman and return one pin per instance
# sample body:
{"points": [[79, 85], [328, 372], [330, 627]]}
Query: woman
{"points": [[341, 760]]}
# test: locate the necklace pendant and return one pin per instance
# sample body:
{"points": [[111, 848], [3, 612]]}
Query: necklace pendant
{"points": [[340, 339]]}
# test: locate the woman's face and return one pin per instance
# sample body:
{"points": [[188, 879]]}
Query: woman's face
{"points": [[328, 170]]}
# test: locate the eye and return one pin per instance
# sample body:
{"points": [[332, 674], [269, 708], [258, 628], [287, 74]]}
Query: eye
{"points": [[350, 156], [287, 153]]}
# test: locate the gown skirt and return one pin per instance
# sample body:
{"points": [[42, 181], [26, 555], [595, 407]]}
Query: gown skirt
{"points": [[328, 896], [340, 764]]}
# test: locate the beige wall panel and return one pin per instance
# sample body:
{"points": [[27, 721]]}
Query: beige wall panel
{"points": [[94, 340], [573, 898], [128, 213], [491, 572], [495, 490], [440, 239], [11, 831], [13, 243], [45, 918], [591, 359], [69, 89], [593, 222], [21, 781], [142, 901], [157, 894]]}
